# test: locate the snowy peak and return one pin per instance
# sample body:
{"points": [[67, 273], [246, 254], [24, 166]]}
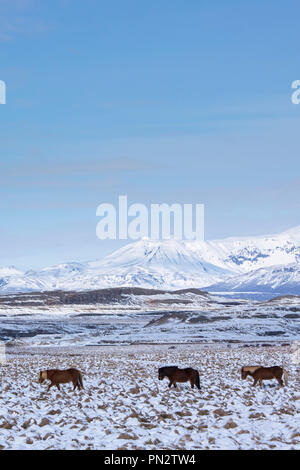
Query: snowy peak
{"points": [[169, 254], [229, 264], [293, 234], [149, 252], [150, 263], [9, 271], [283, 279], [242, 255]]}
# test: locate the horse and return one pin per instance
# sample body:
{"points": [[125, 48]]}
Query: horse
{"points": [[174, 374], [260, 373], [58, 377]]}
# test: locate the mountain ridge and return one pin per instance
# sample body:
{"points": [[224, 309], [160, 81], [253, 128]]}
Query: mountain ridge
{"points": [[224, 264]]}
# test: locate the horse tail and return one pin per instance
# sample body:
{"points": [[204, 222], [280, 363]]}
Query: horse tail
{"points": [[198, 380], [79, 383], [285, 377]]}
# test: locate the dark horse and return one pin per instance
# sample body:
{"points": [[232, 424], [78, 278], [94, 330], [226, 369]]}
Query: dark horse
{"points": [[174, 374], [265, 373]]}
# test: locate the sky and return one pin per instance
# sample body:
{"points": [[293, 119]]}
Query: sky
{"points": [[165, 101]]}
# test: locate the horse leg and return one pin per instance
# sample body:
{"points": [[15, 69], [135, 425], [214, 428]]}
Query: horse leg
{"points": [[192, 383], [78, 384], [255, 382], [279, 380], [175, 384], [51, 385], [170, 384], [58, 387], [260, 383]]}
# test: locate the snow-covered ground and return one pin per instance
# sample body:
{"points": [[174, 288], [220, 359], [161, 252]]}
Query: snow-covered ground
{"points": [[119, 347], [124, 406], [158, 318]]}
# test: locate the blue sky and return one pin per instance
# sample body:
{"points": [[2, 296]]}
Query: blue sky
{"points": [[164, 101]]}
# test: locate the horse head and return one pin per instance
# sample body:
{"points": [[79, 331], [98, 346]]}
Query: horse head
{"points": [[42, 376]]}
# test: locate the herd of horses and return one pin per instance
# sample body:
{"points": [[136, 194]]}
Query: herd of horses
{"points": [[173, 373]]}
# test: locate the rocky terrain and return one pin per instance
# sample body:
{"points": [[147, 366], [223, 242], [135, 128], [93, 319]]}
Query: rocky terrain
{"points": [[124, 406]]}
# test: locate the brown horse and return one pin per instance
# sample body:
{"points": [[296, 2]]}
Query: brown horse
{"points": [[174, 374], [260, 373], [57, 377]]}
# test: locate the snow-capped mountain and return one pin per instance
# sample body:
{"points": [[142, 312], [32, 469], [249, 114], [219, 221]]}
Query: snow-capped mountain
{"points": [[223, 264], [242, 255], [283, 279], [144, 263], [9, 271]]}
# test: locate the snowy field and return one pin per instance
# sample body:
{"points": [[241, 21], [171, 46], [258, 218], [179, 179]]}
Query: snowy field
{"points": [[124, 406], [165, 318]]}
